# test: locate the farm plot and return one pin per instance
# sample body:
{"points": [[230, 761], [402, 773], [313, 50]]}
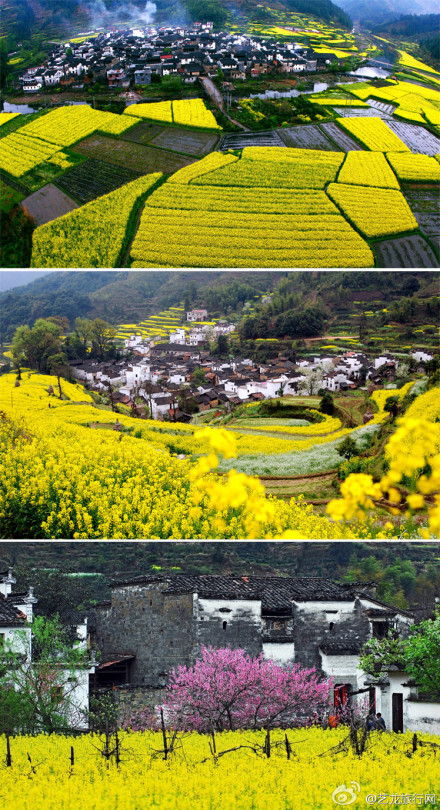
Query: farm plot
{"points": [[131, 155], [93, 178], [93, 235], [425, 204], [277, 168], [9, 196], [374, 211], [307, 137], [48, 203], [408, 251], [415, 168], [242, 139], [341, 139], [186, 112], [368, 112], [373, 133], [183, 140], [143, 132], [368, 169], [254, 212], [381, 106], [418, 139]]}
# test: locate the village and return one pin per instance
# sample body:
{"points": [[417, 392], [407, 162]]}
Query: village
{"points": [[138, 57], [173, 380], [155, 622]]}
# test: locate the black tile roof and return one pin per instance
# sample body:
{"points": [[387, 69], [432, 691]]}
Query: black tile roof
{"points": [[10, 616], [275, 593]]}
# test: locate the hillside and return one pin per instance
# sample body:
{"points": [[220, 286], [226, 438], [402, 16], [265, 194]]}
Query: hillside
{"points": [[382, 12], [129, 296], [26, 19], [411, 568], [115, 296]]}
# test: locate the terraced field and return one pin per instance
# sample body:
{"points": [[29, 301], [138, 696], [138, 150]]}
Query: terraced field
{"points": [[424, 203], [307, 137], [93, 178], [408, 251], [134, 156]]}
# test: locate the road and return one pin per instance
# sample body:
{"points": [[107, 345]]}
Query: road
{"points": [[215, 95]]}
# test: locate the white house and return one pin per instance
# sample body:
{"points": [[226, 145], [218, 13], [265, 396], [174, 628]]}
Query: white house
{"points": [[197, 315], [16, 617]]}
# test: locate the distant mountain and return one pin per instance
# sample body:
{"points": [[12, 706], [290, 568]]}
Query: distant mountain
{"points": [[411, 25], [129, 296], [373, 13], [18, 278]]}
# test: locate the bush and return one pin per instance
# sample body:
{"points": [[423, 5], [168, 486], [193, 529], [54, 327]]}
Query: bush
{"points": [[352, 465], [327, 405], [348, 448]]}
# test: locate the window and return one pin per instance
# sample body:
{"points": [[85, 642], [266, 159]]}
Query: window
{"points": [[224, 625], [341, 695], [380, 629]]}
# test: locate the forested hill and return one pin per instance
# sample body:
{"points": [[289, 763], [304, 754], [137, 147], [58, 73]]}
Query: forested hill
{"points": [[121, 296], [407, 574], [25, 19], [411, 25], [130, 296]]}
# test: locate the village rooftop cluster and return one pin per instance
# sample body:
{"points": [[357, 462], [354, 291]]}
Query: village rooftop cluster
{"points": [[164, 374], [315, 621], [132, 56]]}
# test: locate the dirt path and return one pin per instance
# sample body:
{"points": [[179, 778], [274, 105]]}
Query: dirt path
{"points": [[215, 96]]}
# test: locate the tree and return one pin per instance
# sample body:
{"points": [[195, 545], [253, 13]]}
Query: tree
{"points": [[35, 346], [348, 448], [101, 335], [227, 689], [4, 67], [222, 346], [392, 406], [39, 692], [418, 655], [327, 405], [59, 366], [199, 376], [312, 381]]}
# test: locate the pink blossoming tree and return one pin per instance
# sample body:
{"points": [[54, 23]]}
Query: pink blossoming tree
{"points": [[227, 689]]}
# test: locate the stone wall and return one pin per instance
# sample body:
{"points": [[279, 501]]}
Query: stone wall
{"points": [[229, 623], [156, 627]]}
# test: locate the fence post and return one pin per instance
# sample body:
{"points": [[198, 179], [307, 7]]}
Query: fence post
{"points": [[164, 735], [8, 752]]}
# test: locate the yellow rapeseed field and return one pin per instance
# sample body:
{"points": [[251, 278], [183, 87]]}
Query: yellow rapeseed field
{"points": [[42, 778]]}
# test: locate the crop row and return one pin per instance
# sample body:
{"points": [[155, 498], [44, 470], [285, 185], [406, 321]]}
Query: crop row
{"points": [[20, 154], [232, 782], [67, 479], [90, 236], [5, 117], [66, 125], [39, 141], [415, 168], [215, 160], [186, 112], [375, 212], [367, 169], [242, 200], [374, 134], [297, 171]]}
